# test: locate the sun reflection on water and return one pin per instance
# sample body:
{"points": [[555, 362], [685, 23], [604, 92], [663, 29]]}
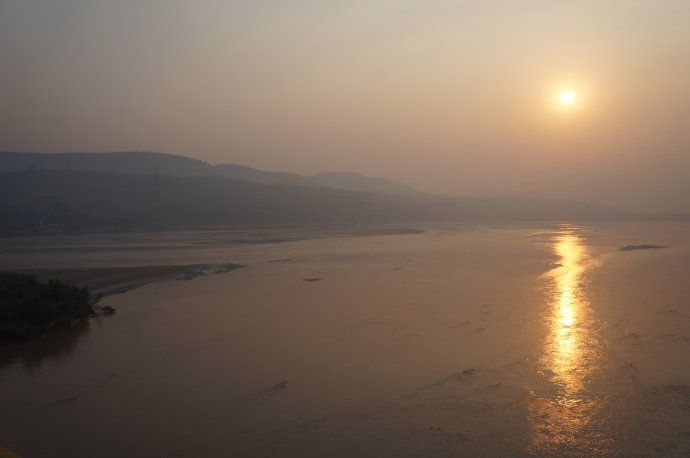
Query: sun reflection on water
{"points": [[571, 315], [562, 418]]}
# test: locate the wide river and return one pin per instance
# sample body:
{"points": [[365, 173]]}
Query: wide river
{"points": [[459, 341]]}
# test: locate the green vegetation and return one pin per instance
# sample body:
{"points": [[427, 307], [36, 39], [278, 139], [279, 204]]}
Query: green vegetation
{"points": [[29, 307]]}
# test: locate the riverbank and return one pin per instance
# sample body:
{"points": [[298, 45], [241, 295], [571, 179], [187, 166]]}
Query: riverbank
{"points": [[107, 281]]}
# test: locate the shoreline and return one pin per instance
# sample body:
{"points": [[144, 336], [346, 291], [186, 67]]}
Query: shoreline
{"points": [[252, 234], [112, 280], [109, 281]]}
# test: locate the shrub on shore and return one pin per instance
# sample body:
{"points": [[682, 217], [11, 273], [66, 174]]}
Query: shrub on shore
{"points": [[29, 307]]}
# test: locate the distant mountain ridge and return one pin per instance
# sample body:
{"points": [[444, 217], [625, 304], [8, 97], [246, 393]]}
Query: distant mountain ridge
{"points": [[59, 201], [355, 182], [149, 163], [134, 162], [243, 172], [68, 192]]}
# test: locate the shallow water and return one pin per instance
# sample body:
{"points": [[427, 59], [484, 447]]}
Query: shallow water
{"points": [[476, 341]]}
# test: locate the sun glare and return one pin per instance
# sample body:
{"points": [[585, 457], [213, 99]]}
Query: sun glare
{"points": [[567, 98]]}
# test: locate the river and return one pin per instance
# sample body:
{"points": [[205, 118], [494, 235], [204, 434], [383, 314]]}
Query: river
{"points": [[461, 340]]}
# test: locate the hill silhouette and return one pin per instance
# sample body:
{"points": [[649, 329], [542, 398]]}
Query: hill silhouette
{"points": [[76, 201], [147, 163]]}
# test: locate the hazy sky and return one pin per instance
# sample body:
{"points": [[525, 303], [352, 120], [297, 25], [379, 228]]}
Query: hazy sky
{"points": [[451, 96]]}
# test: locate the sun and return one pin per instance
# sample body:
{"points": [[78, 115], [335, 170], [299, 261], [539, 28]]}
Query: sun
{"points": [[567, 98]]}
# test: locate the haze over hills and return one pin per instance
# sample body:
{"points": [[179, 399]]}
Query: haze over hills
{"points": [[243, 172], [124, 190], [64, 201], [148, 163], [122, 162], [602, 186], [356, 182]]}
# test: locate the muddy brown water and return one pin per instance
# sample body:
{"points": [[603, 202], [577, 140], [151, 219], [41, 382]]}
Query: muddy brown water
{"points": [[460, 341]]}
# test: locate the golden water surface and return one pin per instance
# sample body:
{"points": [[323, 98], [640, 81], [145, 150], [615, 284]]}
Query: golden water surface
{"points": [[564, 414]]}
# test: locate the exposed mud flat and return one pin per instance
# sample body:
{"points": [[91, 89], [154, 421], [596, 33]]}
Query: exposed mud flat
{"points": [[106, 281]]}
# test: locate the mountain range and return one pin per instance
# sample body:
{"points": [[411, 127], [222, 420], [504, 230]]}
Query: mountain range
{"points": [[149, 163], [123, 191]]}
